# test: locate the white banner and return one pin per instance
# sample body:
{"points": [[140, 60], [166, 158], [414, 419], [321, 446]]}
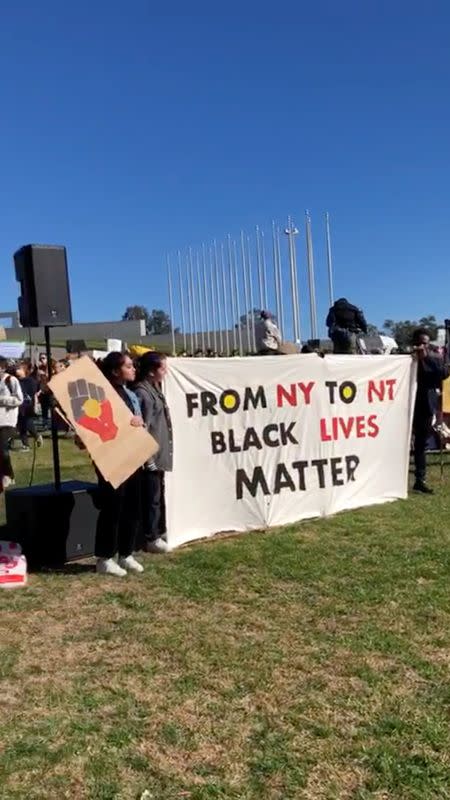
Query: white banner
{"points": [[268, 441]]}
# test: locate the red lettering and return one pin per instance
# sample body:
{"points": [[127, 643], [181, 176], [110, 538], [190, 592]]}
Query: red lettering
{"points": [[347, 426], [285, 394], [373, 426], [335, 422], [373, 389], [324, 435], [390, 383], [360, 427], [307, 388]]}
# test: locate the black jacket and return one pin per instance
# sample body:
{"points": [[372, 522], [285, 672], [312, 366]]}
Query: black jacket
{"points": [[431, 372], [343, 315]]}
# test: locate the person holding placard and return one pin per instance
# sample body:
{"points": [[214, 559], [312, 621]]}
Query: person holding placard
{"points": [[119, 508], [152, 368]]}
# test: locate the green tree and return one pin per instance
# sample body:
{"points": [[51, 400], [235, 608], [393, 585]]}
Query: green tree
{"points": [[403, 330], [157, 321], [136, 313], [372, 330]]}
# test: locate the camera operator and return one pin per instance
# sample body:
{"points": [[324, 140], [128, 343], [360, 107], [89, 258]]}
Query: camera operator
{"points": [[344, 323], [431, 372]]}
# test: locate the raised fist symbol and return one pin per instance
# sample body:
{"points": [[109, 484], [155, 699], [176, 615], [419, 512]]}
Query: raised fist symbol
{"points": [[91, 409]]}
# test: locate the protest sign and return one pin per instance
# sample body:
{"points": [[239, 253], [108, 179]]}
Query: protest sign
{"points": [[260, 442], [102, 421], [446, 396]]}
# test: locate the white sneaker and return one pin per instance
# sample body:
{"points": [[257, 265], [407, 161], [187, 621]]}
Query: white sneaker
{"points": [[157, 546], [8, 482], [130, 563], [107, 566]]}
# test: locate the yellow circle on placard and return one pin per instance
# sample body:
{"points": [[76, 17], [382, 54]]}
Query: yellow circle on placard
{"points": [[91, 407], [347, 392], [229, 401]]}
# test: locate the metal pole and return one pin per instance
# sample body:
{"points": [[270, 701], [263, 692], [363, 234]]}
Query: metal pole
{"points": [[213, 303], [200, 305], [55, 445], [280, 280], [206, 296], [238, 304], [262, 305], [180, 285], [329, 260], [311, 277], [172, 326], [290, 232], [252, 301], [219, 303], [189, 307], [233, 297], [225, 304], [264, 271], [297, 296], [194, 309], [246, 295], [276, 276]]}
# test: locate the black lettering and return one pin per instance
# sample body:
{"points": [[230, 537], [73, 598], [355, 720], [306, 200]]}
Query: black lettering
{"points": [[255, 398], [286, 433], [336, 471], [283, 480], [209, 402], [347, 392], [234, 448], [266, 436], [320, 464], [191, 404], [218, 442], [229, 401], [251, 439], [331, 386], [252, 485], [300, 466], [351, 462]]}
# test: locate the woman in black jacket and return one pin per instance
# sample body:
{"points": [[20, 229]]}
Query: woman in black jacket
{"points": [[152, 368]]}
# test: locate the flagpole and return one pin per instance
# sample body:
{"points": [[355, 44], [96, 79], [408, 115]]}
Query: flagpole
{"points": [[233, 298], [219, 304], [200, 304], [311, 277], [276, 278], [280, 281], [290, 232], [206, 297], [246, 294], [180, 285], [172, 326], [189, 306], [329, 260], [260, 272], [252, 300], [194, 305], [213, 304], [264, 271], [238, 304], [225, 304]]}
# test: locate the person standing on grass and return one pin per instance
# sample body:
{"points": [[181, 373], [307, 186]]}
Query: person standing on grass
{"points": [[431, 372], [152, 368], [11, 399], [119, 508], [26, 423]]}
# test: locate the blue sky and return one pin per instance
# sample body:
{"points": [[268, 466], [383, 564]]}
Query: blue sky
{"points": [[130, 130]]}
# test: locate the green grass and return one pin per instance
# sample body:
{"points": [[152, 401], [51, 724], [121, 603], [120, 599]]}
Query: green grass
{"points": [[308, 662]]}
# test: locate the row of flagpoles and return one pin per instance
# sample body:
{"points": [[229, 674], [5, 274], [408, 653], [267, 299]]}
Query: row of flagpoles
{"points": [[216, 289]]}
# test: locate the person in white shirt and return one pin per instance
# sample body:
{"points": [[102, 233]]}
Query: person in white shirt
{"points": [[268, 337], [11, 398]]}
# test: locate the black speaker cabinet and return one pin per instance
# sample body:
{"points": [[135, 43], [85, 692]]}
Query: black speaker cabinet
{"points": [[53, 527], [44, 283]]}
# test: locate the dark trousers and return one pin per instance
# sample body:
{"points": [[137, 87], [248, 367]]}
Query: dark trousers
{"points": [[422, 430], [6, 434], [26, 425], [153, 505], [118, 518], [45, 402]]}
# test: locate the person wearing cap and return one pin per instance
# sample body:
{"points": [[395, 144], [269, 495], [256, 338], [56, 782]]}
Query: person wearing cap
{"points": [[268, 337]]}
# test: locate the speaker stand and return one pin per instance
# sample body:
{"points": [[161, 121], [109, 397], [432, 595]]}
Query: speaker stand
{"points": [[55, 444]]}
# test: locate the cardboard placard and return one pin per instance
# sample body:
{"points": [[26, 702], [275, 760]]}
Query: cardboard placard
{"points": [[102, 421], [446, 396]]}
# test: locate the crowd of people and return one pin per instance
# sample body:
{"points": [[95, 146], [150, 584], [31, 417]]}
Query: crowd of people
{"points": [[133, 516]]}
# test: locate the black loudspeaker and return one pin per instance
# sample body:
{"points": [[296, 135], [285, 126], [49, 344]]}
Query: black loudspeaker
{"points": [[44, 283], [53, 527]]}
